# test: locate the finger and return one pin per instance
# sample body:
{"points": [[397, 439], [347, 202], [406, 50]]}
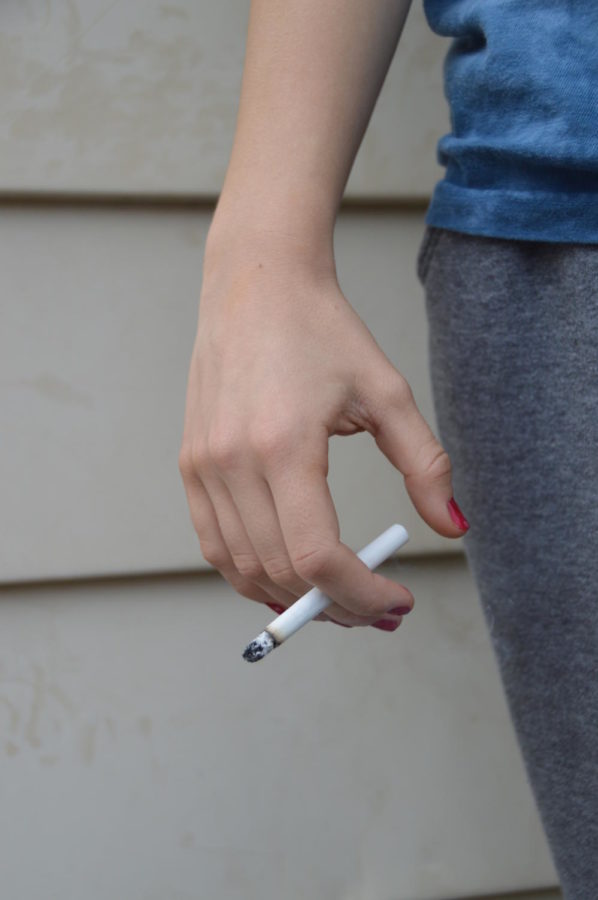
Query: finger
{"points": [[406, 439], [256, 509], [341, 616], [255, 503], [240, 548], [310, 528], [212, 544]]}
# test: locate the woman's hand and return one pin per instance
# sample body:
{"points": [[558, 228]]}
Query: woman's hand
{"points": [[280, 363]]}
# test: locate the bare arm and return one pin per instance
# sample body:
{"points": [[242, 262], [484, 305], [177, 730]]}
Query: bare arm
{"points": [[313, 72], [281, 360]]}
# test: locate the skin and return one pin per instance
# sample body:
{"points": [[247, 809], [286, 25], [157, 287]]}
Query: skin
{"points": [[281, 360]]}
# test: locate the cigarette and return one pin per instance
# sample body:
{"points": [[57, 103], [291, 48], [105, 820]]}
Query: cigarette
{"points": [[311, 604]]}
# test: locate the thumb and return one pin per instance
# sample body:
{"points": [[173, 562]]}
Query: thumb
{"points": [[406, 439]]}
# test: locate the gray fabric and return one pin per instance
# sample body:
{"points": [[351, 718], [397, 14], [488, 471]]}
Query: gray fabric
{"points": [[513, 338]]}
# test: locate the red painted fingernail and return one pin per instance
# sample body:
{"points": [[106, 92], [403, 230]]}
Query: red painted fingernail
{"points": [[386, 625], [276, 608], [400, 610], [456, 515]]}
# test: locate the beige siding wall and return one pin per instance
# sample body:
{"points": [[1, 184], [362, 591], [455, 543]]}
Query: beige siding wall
{"points": [[140, 97], [141, 758]]}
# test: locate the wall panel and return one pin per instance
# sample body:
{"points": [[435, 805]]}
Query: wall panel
{"points": [[143, 758]]}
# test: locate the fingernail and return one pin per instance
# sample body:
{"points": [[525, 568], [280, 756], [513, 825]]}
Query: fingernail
{"points": [[400, 610], [386, 625], [456, 515], [276, 608]]}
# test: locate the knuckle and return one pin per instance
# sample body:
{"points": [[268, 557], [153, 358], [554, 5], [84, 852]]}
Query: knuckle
{"points": [[214, 554], [271, 442], [186, 467], [437, 463], [311, 563], [392, 392], [199, 456], [224, 448], [248, 566], [281, 572], [399, 391], [191, 460]]}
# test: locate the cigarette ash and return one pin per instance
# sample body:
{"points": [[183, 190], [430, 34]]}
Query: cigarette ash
{"points": [[260, 647]]}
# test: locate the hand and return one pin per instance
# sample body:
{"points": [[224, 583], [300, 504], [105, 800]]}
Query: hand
{"points": [[281, 362]]}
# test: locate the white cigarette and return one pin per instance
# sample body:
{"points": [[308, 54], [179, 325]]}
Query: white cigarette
{"points": [[311, 604]]}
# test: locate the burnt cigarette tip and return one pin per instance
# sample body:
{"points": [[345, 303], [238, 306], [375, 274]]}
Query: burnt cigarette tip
{"points": [[259, 648]]}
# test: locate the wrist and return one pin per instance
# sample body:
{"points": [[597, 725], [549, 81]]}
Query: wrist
{"points": [[294, 228]]}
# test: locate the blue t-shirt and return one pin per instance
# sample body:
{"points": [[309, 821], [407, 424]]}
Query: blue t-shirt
{"points": [[521, 81]]}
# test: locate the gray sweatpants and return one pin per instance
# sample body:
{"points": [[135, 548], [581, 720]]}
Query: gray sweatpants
{"points": [[513, 338]]}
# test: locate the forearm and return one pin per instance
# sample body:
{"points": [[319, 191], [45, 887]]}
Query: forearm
{"points": [[313, 71]]}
